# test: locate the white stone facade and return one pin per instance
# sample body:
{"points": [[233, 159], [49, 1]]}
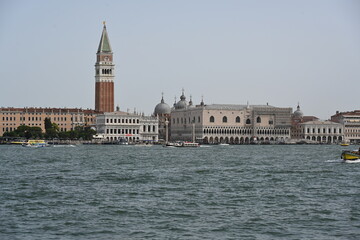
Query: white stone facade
{"points": [[351, 122], [116, 126], [235, 124], [322, 131]]}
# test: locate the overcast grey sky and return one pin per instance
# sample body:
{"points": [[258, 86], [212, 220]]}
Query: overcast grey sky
{"points": [[279, 52]]}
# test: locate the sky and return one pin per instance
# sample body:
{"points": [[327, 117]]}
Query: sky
{"points": [[280, 52]]}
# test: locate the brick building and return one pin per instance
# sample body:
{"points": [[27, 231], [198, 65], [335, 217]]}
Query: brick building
{"points": [[66, 118]]}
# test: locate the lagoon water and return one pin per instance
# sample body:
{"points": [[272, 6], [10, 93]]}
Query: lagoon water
{"points": [[214, 192]]}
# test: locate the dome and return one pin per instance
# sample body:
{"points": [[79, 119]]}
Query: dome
{"points": [[191, 103], [162, 108], [298, 113], [182, 104]]}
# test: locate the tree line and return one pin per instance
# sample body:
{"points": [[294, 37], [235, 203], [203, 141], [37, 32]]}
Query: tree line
{"points": [[52, 131]]}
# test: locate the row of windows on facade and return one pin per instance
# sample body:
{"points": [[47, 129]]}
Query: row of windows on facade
{"points": [[122, 131], [308, 130], [117, 120], [224, 120], [130, 131], [104, 71], [10, 129], [41, 113], [353, 135], [60, 119], [247, 131], [352, 130], [129, 139], [324, 138]]}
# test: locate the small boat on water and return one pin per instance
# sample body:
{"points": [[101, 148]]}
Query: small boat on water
{"points": [[35, 143], [350, 155], [190, 144], [182, 144], [344, 144]]}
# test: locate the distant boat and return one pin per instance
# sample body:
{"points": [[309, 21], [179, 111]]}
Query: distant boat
{"points": [[190, 144], [182, 144], [17, 142], [344, 144], [35, 144], [223, 144]]}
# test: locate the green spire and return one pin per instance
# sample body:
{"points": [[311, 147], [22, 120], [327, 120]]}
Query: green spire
{"points": [[104, 45]]}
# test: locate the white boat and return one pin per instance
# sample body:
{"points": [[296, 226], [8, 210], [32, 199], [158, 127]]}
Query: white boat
{"points": [[223, 144], [190, 144], [35, 144], [182, 144]]}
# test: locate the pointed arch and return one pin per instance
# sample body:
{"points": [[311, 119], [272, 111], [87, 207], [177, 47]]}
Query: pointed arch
{"points": [[258, 119]]}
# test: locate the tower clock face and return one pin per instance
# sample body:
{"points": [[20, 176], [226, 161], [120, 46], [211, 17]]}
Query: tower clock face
{"points": [[106, 59]]}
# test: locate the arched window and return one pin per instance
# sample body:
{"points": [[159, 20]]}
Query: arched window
{"points": [[258, 119], [248, 121], [224, 119], [212, 119], [237, 119]]}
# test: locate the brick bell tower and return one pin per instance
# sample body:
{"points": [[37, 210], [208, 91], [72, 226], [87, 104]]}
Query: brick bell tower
{"points": [[104, 75]]}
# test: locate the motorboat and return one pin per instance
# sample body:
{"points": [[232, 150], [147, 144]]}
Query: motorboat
{"points": [[35, 143], [182, 144], [190, 144], [348, 155]]}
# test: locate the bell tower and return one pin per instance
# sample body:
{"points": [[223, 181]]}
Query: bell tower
{"points": [[104, 75]]}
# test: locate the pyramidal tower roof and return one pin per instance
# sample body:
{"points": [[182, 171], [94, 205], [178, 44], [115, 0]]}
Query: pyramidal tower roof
{"points": [[104, 45]]}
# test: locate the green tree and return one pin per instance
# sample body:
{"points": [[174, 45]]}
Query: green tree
{"points": [[48, 124], [51, 129], [25, 132]]}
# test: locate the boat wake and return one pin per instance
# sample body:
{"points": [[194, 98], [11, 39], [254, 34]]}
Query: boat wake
{"points": [[343, 161], [352, 161], [335, 161]]}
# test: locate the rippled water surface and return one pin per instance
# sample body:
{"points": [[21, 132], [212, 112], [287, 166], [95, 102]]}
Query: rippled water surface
{"points": [[214, 192]]}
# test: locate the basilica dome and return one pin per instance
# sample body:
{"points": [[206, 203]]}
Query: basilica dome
{"points": [[182, 104], [162, 108], [298, 113]]}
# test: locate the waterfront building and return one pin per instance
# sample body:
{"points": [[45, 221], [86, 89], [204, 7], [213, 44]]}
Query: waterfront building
{"points": [[163, 111], [104, 75], [229, 123], [351, 122], [296, 119], [322, 131], [66, 118], [132, 127]]}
